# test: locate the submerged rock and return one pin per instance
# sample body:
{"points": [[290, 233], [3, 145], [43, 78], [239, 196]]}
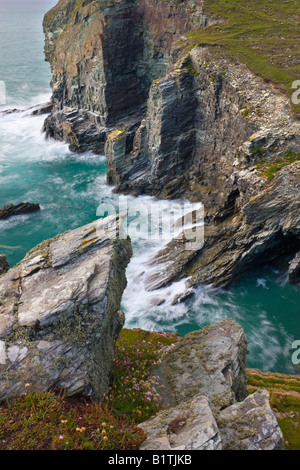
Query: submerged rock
{"points": [[18, 209], [44, 108], [60, 312]]}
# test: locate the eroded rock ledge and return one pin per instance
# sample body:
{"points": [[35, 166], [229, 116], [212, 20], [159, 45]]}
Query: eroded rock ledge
{"points": [[266, 230], [60, 312]]}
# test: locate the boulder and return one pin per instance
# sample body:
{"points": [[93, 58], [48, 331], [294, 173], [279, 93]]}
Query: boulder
{"points": [[250, 425], [203, 390], [18, 209], [247, 425], [208, 362], [60, 312], [189, 426], [4, 265]]}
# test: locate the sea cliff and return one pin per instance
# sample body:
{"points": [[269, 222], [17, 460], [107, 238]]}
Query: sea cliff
{"points": [[181, 114]]}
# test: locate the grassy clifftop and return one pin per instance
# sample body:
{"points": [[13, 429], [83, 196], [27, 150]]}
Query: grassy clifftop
{"points": [[264, 34], [284, 400]]}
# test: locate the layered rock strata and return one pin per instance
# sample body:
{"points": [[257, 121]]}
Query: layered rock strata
{"points": [[104, 56]]}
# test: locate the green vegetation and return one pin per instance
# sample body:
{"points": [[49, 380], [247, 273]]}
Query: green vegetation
{"points": [[51, 421], [48, 420], [78, 5], [133, 394], [262, 34], [270, 167], [284, 400]]}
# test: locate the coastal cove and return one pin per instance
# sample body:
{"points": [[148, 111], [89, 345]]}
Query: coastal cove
{"points": [[69, 188]]}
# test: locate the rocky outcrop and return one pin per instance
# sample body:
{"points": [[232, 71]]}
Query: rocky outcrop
{"points": [[164, 145], [208, 362], [4, 265], [44, 108], [11, 210], [265, 230], [60, 312], [250, 425], [202, 384]]}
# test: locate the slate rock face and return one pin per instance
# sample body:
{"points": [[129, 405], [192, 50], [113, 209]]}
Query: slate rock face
{"points": [[194, 125], [266, 230], [60, 312]]}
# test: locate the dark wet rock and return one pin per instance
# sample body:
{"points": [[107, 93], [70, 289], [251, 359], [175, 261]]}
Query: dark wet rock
{"points": [[266, 230], [11, 111], [44, 108], [11, 210], [37, 110]]}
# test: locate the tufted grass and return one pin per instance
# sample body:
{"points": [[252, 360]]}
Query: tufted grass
{"points": [[284, 401], [264, 34], [272, 166], [50, 421]]}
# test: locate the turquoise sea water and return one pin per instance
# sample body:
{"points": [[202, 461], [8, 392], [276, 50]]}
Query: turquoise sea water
{"points": [[69, 188]]}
